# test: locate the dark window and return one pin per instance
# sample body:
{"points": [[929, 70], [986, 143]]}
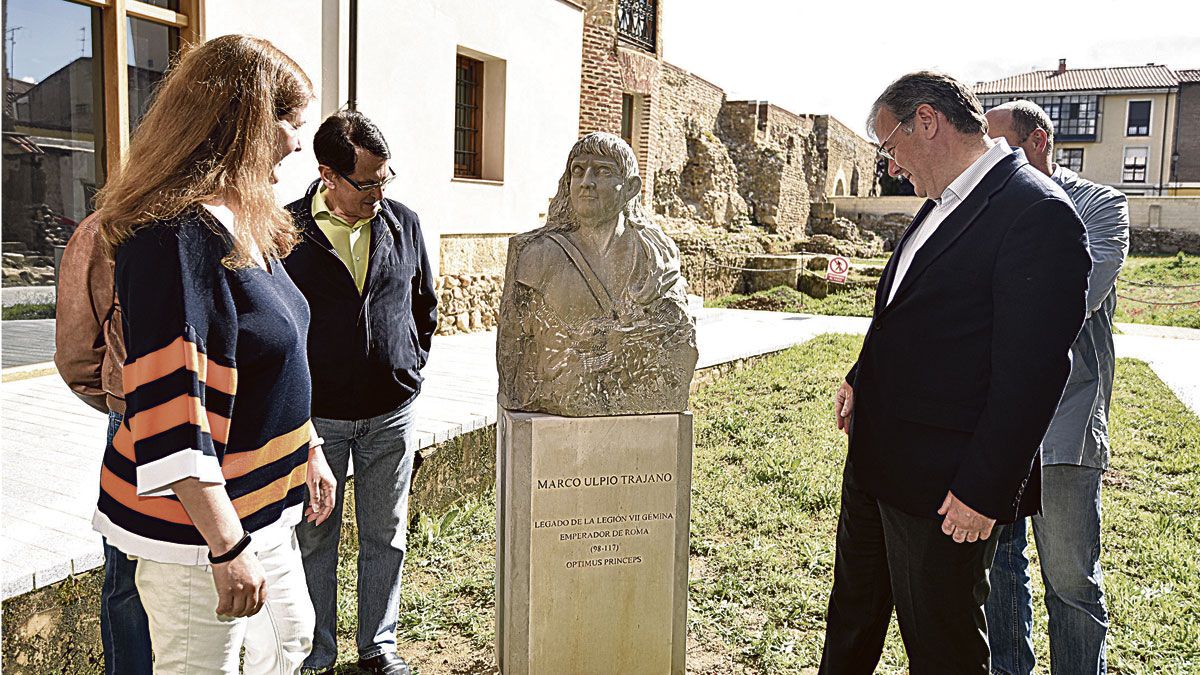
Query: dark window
{"points": [[151, 47], [53, 121], [1134, 170], [636, 22], [627, 102], [1070, 158], [1139, 119], [468, 118], [1075, 117]]}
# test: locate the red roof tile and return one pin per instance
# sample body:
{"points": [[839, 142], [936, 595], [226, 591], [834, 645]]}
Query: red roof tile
{"points": [[1082, 79]]}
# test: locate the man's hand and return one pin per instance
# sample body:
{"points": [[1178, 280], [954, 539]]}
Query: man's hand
{"points": [[322, 488], [843, 406], [241, 586], [963, 523]]}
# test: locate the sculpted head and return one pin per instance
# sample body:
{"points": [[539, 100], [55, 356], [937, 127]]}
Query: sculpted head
{"points": [[600, 183]]}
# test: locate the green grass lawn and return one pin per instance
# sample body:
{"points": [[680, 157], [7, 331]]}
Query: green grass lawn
{"points": [[1176, 270], [765, 498], [25, 311]]}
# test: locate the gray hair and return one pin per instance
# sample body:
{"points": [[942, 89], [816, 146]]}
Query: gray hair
{"points": [[946, 94], [561, 216], [1028, 116]]}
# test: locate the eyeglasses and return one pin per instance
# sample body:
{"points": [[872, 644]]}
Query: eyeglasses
{"points": [[882, 147], [368, 185]]}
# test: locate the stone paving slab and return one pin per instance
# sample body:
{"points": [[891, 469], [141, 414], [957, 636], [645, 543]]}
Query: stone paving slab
{"points": [[26, 342], [52, 442]]}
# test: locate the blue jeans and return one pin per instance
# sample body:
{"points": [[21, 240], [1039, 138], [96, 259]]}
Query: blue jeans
{"points": [[1067, 535], [383, 448], [124, 631]]}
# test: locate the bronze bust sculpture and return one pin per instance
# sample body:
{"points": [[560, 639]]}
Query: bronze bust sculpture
{"points": [[593, 320]]}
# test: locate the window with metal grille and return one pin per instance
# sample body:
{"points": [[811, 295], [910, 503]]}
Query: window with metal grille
{"points": [[1138, 120], [1070, 158], [1134, 169], [636, 22], [468, 118]]}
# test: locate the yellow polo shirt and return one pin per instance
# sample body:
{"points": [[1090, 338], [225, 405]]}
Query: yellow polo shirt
{"points": [[351, 242]]}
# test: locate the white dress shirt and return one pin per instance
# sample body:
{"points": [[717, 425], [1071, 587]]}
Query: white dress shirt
{"points": [[956, 193]]}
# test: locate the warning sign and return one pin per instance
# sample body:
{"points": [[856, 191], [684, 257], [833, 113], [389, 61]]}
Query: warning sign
{"points": [[839, 267]]}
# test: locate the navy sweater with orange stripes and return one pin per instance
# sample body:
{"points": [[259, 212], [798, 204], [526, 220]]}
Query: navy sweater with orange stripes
{"points": [[217, 388]]}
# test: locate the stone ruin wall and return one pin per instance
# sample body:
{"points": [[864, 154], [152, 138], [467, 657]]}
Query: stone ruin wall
{"points": [[470, 283], [695, 178], [468, 302], [845, 153], [773, 150], [726, 179]]}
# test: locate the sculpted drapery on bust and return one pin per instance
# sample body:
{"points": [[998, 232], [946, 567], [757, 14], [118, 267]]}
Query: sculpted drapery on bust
{"points": [[593, 320]]}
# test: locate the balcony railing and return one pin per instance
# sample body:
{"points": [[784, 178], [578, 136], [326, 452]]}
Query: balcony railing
{"points": [[636, 22]]}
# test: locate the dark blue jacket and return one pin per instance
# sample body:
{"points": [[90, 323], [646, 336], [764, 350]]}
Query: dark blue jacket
{"points": [[365, 350], [960, 374]]}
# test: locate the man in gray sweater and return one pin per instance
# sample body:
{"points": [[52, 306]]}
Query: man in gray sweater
{"points": [[1075, 450]]}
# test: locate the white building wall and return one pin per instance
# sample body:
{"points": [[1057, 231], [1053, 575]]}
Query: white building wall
{"points": [[407, 55], [296, 27], [406, 83]]}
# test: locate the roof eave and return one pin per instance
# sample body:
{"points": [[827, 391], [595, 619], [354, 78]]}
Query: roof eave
{"points": [[1083, 92]]}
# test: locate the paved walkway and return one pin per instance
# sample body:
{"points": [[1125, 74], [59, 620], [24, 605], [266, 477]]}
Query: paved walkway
{"points": [[24, 343], [52, 443], [1175, 361], [27, 295]]}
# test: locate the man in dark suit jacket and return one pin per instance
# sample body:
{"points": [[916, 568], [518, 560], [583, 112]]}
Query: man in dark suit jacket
{"points": [[956, 383]]}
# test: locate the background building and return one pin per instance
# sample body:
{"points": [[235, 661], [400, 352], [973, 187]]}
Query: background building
{"points": [[1114, 126], [476, 163], [479, 100], [1185, 161]]}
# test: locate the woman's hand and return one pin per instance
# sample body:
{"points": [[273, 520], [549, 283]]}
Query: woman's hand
{"points": [[241, 586], [322, 488]]}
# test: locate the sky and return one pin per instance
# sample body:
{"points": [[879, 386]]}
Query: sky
{"points": [[837, 57], [48, 37], [52, 33], [831, 57]]}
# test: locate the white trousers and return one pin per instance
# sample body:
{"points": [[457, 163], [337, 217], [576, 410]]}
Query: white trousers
{"points": [[190, 639]]}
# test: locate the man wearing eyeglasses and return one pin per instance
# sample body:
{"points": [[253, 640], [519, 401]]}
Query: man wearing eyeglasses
{"points": [[363, 267], [955, 384]]}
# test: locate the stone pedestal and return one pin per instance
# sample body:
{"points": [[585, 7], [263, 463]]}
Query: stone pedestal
{"points": [[592, 543]]}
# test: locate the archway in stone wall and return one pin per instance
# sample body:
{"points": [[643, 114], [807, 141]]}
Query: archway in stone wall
{"points": [[839, 183], [854, 183]]}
